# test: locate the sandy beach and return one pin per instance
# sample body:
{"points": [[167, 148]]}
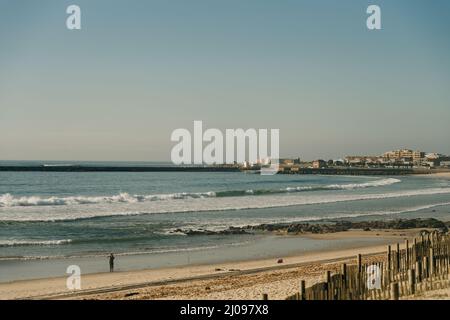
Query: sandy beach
{"points": [[440, 175], [232, 280]]}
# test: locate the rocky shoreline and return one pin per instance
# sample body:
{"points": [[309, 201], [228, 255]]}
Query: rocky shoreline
{"points": [[329, 227]]}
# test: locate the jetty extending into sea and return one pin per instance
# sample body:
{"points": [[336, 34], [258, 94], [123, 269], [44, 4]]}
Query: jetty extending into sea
{"points": [[173, 168]]}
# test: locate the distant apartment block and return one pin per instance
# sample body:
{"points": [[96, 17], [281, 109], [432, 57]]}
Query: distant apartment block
{"points": [[318, 164], [290, 162]]}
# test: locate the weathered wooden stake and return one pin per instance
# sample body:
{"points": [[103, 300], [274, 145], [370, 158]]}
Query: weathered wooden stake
{"points": [[303, 290], [419, 271], [327, 284], [344, 274], [412, 281], [431, 270], [426, 267], [407, 252], [394, 291], [389, 254]]}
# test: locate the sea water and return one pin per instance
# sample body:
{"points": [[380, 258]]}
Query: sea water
{"points": [[50, 215]]}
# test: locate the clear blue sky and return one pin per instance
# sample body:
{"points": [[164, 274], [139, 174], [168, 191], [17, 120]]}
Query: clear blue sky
{"points": [[137, 70]]}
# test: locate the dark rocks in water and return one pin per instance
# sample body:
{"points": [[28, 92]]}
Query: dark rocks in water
{"points": [[199, 232], [297, 228], [321, 228], [231, 230], [400, 224], [340, 226]]}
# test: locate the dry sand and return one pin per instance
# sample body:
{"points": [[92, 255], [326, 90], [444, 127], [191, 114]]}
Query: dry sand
{"points": [[440, 294], [233, 280]]}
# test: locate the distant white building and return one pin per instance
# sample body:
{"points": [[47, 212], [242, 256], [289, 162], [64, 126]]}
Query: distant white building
{"points": [[445, 163]]}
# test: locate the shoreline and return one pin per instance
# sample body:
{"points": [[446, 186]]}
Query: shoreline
{"points": [[114, 284], [438, 175]]}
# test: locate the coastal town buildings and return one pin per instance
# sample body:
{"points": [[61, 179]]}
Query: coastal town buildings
{"points": [[398, 158]]}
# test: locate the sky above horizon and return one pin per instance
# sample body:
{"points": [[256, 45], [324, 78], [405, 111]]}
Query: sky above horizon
{"points": [[137, 70]]}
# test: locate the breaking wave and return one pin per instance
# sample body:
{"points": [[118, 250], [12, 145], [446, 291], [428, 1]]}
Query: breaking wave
{"points": [[8, 200], [20, 243]]}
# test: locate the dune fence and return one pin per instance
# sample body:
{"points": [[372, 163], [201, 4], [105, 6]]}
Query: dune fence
{"points": [[407, 271]]}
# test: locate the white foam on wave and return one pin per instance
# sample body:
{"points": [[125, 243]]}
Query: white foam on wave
{"points": [[349, 186], [8, 200], [17, 243], [76, 212]]}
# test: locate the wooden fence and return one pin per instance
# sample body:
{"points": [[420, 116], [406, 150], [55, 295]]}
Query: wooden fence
{"points": [[419, 266]]}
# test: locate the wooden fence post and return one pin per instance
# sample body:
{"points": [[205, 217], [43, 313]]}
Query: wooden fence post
{"points": [[394, 291], [407, 253], [328, 285], [302, 290], [425, 267], [431, 270], [389, 256], [359, 259], [412, 281], [344, 283], [419, 271], [344, 274], [414, 252]]}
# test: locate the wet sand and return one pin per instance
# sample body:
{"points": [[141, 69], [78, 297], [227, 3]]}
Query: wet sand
{"points": [[439, 175]]}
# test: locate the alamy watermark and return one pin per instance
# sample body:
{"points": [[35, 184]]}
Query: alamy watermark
{"points": [[237, 146], [73, 21], [73, 281], [374, 20], [373, 277]]}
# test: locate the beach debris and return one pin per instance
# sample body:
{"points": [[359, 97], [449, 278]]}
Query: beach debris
{"points": [[280, 261], [130, 294]]}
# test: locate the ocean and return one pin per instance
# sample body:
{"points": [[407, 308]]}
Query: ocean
{"points": [[59, 215]]}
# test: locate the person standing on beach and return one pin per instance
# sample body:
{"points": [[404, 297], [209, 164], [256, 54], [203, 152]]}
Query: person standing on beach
{"points": [[111, 262]]}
